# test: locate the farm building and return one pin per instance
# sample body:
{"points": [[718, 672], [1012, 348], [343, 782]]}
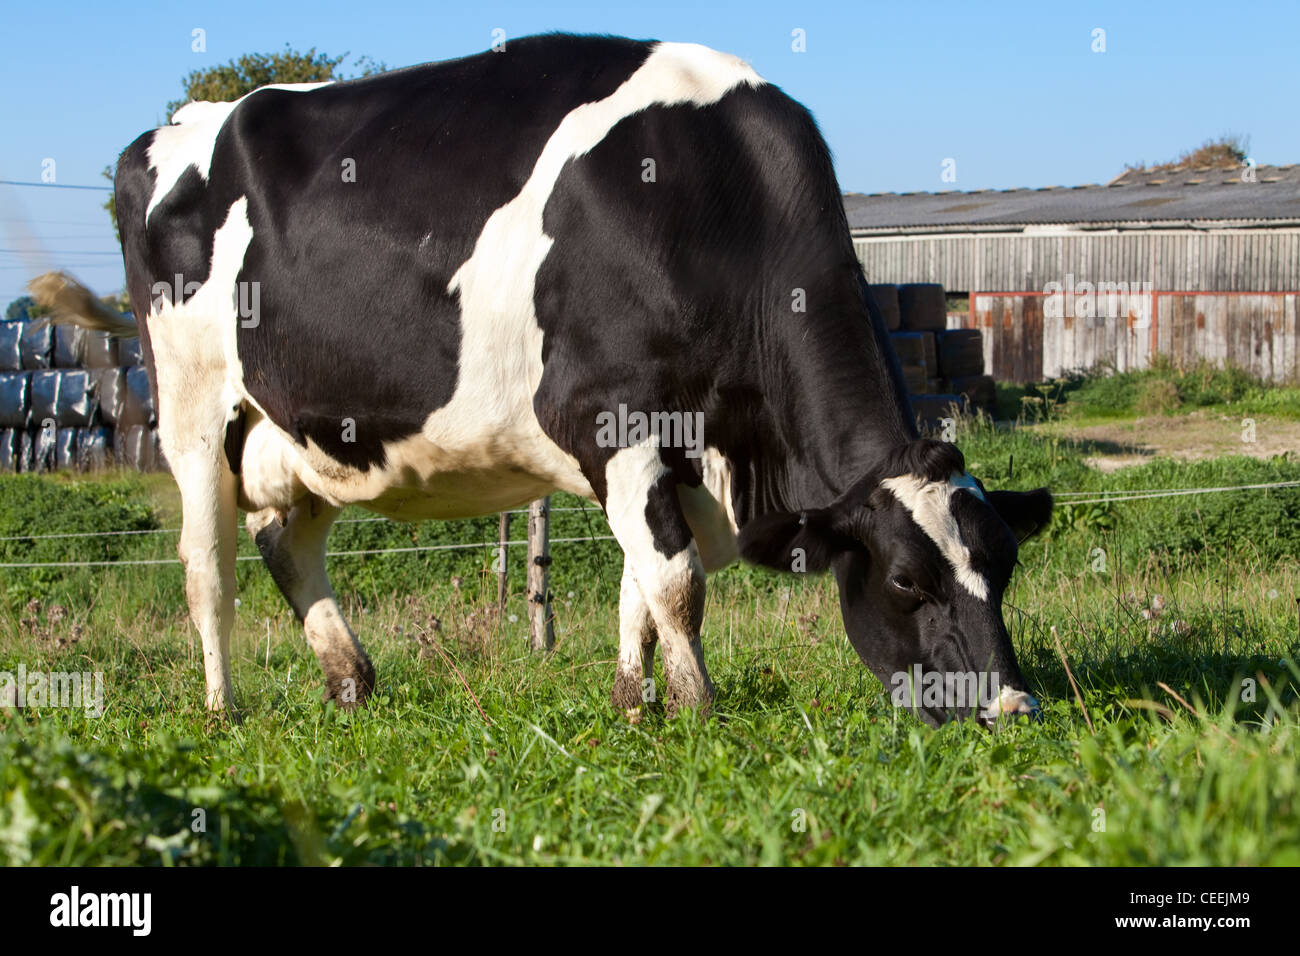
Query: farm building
{"points": [[1186, 263]]}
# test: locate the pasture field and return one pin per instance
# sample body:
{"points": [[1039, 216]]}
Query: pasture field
{"points": [[1173, 738]]}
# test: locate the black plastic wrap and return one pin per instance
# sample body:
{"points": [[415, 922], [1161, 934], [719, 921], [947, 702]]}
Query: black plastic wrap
{"points": [[69, 346], [110, 392], [63, 396], [128, 351], [133, 447], [26, 451], [11, 346], [10, 446], [37, 345], [137, 409], [94, 448], [44, 443], [15, 399], [100, 351], [65, 449]]}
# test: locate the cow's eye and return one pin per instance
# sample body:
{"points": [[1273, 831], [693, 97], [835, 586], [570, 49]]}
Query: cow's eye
{"points": [[905, 586]]}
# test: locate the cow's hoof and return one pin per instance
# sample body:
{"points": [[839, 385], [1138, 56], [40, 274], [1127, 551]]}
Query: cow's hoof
{"points": [[699, 704], [350, 691], [221, 709], [626, 694], [218, 720]]}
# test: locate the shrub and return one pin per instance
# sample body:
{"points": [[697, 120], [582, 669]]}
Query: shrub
{"points": [[40, 505]]}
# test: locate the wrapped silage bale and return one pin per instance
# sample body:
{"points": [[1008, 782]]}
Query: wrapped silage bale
{"points": [[132, 446], [69, 346], [11, 346], [63, 396], [10, 447], [65, 449], [923, 307], [137, 409], [100, 351], [109, 385], [26, 451], [37, 345], [128, 351], [15, 399], [94, 448]]}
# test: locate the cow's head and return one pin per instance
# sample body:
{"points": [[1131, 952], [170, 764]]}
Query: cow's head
{"points": [[922, 554]]}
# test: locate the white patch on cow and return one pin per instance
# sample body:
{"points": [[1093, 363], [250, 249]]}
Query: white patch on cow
{"points": [[191, 138], [269, 470], [194, 342], [709, 511], [636, 638], [667, 582], [930, 504]]}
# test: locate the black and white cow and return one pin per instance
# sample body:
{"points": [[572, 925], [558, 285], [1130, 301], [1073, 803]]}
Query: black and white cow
{"points": [[427, 292]]}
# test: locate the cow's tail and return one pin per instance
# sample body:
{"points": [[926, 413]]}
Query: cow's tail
{"points": [[71, 303]]}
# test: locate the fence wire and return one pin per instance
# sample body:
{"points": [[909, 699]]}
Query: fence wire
{"points": [[1074, 498]]}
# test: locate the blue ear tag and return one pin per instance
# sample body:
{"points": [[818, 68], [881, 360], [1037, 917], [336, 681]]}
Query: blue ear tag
{"points": [[803, 518]]}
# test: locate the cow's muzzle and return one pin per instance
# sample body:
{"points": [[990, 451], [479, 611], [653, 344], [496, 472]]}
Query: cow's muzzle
{"points": [[1011, 703]]}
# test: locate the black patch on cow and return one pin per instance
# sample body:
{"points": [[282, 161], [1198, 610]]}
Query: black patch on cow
{"points": [[234, 443], [133, 185], [663, 515], [280, 564], [178, 236]]}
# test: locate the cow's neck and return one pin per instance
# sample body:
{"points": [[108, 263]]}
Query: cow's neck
{"points": [[830, 416]]}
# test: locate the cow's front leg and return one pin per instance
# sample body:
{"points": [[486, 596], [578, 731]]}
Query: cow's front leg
{"points": [[636, 648], [646, 518]]}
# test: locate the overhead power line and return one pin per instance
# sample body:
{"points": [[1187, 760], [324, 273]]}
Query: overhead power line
{"points": [[16, 182]]}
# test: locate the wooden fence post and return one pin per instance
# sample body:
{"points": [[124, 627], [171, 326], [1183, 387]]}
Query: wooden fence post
{"points": [[541, 623], [503, 551]]}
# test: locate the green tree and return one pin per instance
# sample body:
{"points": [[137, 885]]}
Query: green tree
{"points": [[239, 77]]}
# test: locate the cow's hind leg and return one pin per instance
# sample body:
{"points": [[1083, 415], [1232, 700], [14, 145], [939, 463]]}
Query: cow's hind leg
{"points": [[192, 425], [646, 518], [636, 647], [294, 552]]}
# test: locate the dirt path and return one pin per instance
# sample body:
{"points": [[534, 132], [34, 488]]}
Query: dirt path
{"points": [[1186, 437]]}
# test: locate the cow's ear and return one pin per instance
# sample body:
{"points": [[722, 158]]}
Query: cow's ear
{"points": [[1025, 512], [795, 541]]}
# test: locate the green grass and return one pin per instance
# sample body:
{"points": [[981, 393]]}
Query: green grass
{"points": [[1102, 394], [803, 762]]}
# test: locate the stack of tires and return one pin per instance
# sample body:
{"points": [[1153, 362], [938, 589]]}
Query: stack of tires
{"points": [[943, 368], [72, 399]]}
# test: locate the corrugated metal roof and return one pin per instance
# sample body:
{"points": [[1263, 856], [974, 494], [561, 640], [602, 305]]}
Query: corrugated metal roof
{"points": [[1146, 197]]}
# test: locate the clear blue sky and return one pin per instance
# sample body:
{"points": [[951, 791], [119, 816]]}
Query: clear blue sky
{"points": [[1011, 91]]}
